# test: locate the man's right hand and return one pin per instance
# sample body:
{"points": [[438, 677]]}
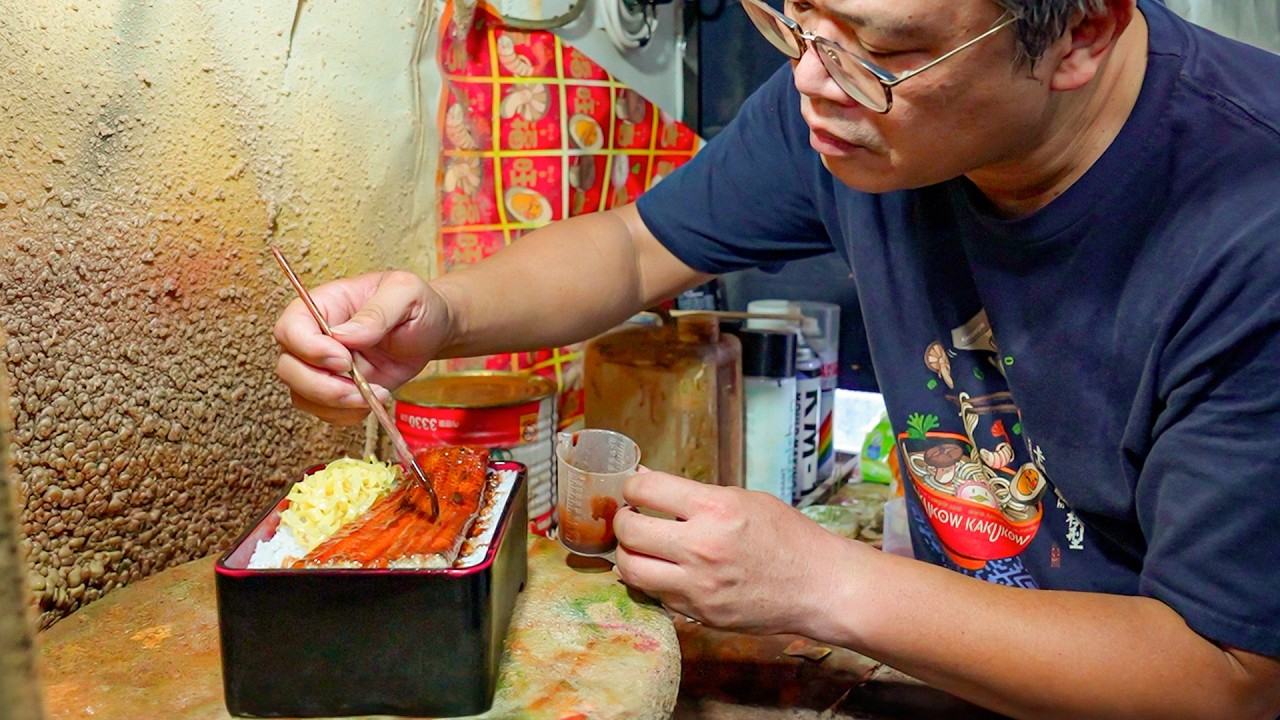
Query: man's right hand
{"points": [[395, 320], [560, 284]]}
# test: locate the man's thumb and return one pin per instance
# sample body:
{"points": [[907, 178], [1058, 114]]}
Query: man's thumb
{"points": [[364, 329]]}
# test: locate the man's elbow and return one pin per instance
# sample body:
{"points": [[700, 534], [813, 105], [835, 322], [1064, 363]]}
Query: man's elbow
{"points": [[1254, 688]]}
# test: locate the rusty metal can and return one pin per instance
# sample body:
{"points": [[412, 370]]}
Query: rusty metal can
{"points": [[511, 414]]}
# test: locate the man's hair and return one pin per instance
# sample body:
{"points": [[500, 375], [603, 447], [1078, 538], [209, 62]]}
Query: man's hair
{"points": [[1043, 21]]}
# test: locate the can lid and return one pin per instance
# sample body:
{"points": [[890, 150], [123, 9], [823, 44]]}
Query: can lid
{"points": [[475, 389], [768, 353]]}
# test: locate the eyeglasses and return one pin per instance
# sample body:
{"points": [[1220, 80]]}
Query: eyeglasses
{"points": [[863, 80]]}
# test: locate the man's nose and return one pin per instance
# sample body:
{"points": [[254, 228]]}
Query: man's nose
{"points": [[812, 78]]}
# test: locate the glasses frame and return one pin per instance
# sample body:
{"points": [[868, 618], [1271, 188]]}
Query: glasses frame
{"points": [[830, 51]]}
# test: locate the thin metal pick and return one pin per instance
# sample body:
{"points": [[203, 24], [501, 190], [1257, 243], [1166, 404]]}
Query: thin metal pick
{"points": [[380, 412]]}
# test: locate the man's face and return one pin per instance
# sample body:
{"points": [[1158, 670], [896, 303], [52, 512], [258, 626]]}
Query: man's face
{"points": [[973, 110]]}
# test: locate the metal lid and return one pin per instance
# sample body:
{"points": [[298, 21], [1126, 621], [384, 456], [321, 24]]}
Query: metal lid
{"points": [[475, 389]]}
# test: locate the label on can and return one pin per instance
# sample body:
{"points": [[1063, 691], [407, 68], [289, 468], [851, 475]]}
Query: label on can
{"points": [[826, 427], [510, 414], [808, 424]]}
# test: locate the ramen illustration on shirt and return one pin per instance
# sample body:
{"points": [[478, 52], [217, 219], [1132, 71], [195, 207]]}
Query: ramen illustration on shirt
{"points": [[980, 500]]}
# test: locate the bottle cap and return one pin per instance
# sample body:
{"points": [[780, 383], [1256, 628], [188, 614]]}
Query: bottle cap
{"points": [[771, 307], [768, 353], [807, 361]]}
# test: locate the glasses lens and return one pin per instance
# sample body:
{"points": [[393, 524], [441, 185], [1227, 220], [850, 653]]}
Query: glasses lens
{"points": [[852, 76], [773, 27]]}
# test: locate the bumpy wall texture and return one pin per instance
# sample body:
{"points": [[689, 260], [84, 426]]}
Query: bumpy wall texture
{"points": [[149, 153], [19, 693]]}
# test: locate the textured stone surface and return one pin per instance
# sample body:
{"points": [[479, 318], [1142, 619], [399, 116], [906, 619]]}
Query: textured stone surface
{"points": [[731, 676], [579, 647], [149, 153], [19, 692]]}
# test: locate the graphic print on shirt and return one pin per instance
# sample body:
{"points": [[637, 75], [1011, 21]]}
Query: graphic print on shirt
{"points": [[980, 501]]}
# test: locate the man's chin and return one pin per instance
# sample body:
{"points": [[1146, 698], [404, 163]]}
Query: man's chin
{"points": [[857, 175]]}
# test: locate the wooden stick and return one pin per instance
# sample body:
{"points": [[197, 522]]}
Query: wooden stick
{"points": [[732, 315], [380, 412]]}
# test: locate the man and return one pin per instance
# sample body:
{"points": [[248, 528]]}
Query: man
{"points": [[1064, 235]]}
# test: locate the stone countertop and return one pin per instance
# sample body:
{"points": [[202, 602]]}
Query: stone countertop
{"points": [[580, 646], [730, 676]]}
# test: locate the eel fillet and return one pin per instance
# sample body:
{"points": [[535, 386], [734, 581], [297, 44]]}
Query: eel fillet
{"points": [[396, 532]]}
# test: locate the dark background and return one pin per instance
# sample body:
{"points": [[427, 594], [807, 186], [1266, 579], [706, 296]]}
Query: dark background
{"points": [[726, 60]]}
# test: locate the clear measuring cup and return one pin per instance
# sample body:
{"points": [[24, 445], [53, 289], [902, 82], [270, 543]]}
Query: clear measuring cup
{"points": [[591, 466]]}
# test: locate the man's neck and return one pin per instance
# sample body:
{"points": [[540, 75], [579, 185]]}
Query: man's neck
{"points": [[1084, 127]]}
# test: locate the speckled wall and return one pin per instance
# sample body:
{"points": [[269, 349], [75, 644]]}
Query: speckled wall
{"points": [[19, 693], [149, 153]]}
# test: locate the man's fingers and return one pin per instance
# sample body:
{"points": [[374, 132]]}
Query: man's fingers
{"points": [[664, 493], [318, 388], [336, 416], [364, 314], [299, 335], [657, 537], [652, 575]]}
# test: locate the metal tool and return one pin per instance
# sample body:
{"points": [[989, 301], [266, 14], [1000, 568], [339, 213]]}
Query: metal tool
{"points": [[380, 412]]}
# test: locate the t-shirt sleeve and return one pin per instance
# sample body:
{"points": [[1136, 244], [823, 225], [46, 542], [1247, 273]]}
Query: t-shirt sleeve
{"points": [[749, 198], [1209, 494]]}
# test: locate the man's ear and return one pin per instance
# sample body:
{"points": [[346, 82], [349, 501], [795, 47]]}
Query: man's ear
{"points": [[1087, 42]]}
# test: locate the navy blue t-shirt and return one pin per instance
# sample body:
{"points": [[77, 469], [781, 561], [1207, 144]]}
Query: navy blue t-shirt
{"points": [[1086, 398]]}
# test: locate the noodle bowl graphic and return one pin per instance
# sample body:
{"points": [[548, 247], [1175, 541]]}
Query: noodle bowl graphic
{"points": [[971, 508]]}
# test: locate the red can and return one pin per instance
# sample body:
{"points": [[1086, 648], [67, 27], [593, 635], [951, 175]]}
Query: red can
{"points": [[511, 414]]}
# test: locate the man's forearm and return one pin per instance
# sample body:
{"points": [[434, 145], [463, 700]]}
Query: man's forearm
{"points": [[1039, 653], [561, 284]]}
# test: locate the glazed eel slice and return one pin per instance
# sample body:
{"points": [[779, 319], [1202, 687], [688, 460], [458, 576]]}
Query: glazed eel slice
{"points": [[395, 532]]}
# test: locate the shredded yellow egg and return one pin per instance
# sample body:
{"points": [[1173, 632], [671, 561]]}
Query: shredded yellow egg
{"points": [[325, 500]]}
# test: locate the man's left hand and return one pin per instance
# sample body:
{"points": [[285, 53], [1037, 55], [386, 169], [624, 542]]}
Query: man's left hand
{"points": [[732, 558]]}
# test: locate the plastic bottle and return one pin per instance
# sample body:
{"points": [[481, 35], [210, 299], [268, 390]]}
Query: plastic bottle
{"points": [[810, 408], [676, 389], [878, 452], [769, 394]]}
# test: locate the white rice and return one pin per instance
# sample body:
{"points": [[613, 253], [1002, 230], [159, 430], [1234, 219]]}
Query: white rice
{"points": [[281, 549]]}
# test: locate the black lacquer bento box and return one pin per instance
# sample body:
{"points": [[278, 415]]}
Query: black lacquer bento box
{"points": [[335, 642]]}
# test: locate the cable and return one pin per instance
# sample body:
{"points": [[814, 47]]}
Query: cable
{"points": [[630, 24]]}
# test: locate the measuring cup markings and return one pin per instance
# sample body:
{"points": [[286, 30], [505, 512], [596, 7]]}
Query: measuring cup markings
{"points": [[593, 465]]}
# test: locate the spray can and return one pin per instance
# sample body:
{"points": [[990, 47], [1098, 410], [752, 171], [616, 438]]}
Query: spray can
{"points": [[822, 332], [808, 419]]}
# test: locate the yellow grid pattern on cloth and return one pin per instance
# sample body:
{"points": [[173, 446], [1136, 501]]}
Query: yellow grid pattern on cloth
{"points": [[533, 132]]}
